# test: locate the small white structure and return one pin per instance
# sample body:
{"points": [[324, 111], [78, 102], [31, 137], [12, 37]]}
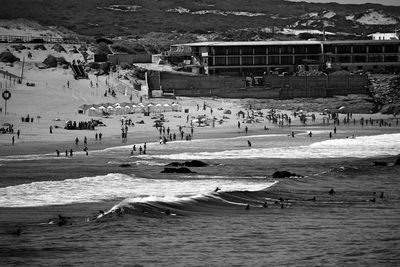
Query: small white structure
{"points": [[384, 36]]}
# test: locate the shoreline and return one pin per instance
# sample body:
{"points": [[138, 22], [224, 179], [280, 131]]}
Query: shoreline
{"points": [[50, 146]]}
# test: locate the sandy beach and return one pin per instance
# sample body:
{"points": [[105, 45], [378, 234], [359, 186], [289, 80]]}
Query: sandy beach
{"points": [[57, 97]]}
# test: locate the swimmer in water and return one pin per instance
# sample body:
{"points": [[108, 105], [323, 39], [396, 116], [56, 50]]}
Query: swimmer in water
{"points": [[247, 207], [332, 192], [265, 205], [167, 212], [217, 189]]}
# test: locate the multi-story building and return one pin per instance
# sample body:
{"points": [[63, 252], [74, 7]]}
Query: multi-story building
{"points": [[265, 57]]}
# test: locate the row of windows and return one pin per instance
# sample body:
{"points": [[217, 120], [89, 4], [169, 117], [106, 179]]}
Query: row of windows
{"points": [[266, 50], [359, 49], [297, 60], [261, 60], [302, 49], [361, 58]]}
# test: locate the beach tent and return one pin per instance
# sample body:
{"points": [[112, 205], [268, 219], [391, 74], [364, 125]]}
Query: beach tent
{"points": [[111, 109], [176, 107]]}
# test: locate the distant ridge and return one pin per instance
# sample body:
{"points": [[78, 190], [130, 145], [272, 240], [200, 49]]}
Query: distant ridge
{"points": [[121, 17]]}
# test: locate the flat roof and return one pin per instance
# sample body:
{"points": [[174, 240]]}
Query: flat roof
{"points": [[305, 42]]}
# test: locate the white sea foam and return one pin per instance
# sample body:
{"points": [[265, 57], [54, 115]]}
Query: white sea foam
{"points": [[116, 186], [360, 147], [137, 162]]}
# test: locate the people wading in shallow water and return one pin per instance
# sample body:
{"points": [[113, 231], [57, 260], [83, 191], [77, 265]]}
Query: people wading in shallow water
{"points": [[332, 192], [248, 142]]}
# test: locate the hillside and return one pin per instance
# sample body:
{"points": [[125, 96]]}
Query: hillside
{"points": [[138, 17]]}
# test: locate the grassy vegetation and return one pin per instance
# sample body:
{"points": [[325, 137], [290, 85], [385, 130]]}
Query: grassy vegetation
{"points": [[85, 18]]}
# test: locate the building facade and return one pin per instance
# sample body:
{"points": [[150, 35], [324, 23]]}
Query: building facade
{"points": [[266, 57]]}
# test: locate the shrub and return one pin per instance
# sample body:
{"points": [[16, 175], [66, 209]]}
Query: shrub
{"points": [[8, 57]]}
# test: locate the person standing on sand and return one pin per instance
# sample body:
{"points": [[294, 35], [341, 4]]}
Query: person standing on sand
{"points": [[13, 139], [71, 152], [293, 134], [246, 129], [76, 141], [67, 84], [18, 133], [330, 135], [66, 153], [51, 129], [249, 143], [239, 124], [96, 136], [100, 135], [85, 141], [310, 134], [58, 152], [334, 130]]}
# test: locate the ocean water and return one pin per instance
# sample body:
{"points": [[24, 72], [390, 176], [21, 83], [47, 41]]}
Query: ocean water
{"points": [[136, 215]]}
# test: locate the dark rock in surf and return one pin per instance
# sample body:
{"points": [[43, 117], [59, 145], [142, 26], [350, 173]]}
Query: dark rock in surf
{"points": [[177, 170], [125, 165], [380, 163], [284, 174], [193, 163]]}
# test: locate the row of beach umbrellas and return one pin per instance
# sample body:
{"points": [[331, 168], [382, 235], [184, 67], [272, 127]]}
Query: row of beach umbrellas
{"points": [[97, 110]]}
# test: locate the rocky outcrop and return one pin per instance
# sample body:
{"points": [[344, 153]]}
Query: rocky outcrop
{"points": [[125, 165], [285, 174], [193, 163]]}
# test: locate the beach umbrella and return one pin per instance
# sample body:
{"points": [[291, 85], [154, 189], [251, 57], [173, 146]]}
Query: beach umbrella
{"points": [[117, 104], [92, 108], [150, 105], [166, 105], [102, 107], [127, 107], [110, 107], [158, 105], [141, 104], [118, 107]]}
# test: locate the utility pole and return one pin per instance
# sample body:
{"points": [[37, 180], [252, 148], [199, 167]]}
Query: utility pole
{"points": [[23, 64]]}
